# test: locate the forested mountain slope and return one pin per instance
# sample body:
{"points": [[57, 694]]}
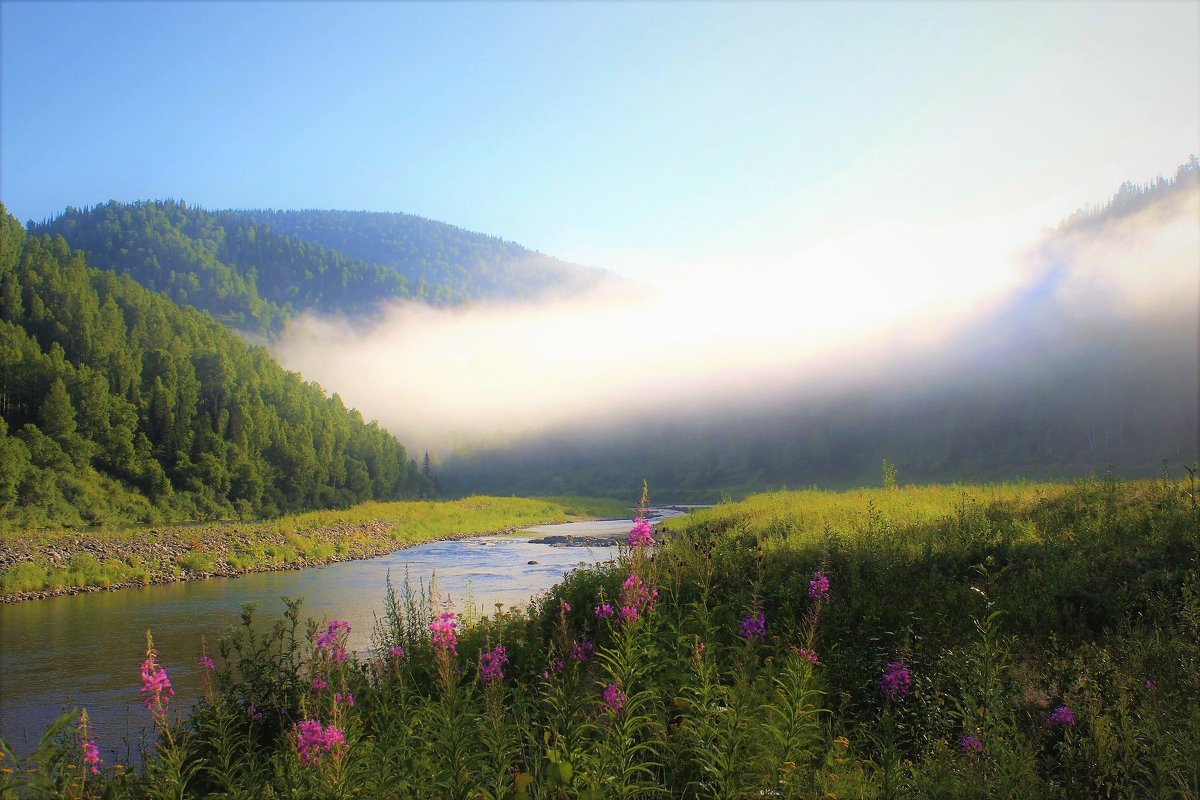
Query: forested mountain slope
{"points": [[116, 404], [444, 263], [244, 274], [1091, 364]]}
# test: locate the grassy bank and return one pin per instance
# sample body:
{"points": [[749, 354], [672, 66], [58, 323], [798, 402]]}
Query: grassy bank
{"points": [[43, 562], [922, 642]]}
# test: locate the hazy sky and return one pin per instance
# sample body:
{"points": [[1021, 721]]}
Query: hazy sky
{"points": [[654, 139]]}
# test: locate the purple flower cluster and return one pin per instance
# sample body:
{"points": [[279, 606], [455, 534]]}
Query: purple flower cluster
{"points": [[1063, 717], [396, 652], [556, 666], [319, 684], [971, 744], [809, 655], [581, 651], [206, 663], [640, 535], [491, 664], [604, 611], [818, 587], [156, 686], [636, 599], [346, 699], [614, 699], [331, 639], [754, 627], [312, 738], [896, 682], [445, 636], [91, 756]]}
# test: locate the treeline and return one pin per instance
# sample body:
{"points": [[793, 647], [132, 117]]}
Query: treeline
{"points": [[1133, 197], [244, 274], [443, 263], [118, 405]]}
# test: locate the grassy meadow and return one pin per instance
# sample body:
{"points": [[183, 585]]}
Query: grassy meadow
{"points": [[1018, 640]]}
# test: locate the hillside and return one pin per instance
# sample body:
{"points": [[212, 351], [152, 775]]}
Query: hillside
{"points": [[1073, 374], [443, 263], [118, 405]]}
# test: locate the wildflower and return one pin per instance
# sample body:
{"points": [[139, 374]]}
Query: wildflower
{"points": [[91, 753], [604, 611], [809, 655], [445, 638], [346, 699], [1151, 685], [491, 663], [396, 652], [312, 738], [640, 535], [206, 663], [581, 651], [330, 639], [319, 684], [818, 587], [556, 666], [754, 627], [252, 712], [614, 699], [564, 606], [636, 599], [156, 686], [1062, 717], [895, 683], [971, 744]]}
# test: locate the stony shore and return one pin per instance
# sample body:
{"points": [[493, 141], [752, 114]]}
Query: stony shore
{"points": [[160, 551]]}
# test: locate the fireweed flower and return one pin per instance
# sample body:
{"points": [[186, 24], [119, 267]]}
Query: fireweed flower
{"points": [[312, 738], [156, 688], [809, 655], [556, 666], [396, 652], [206, 663], [445, 637], [564, 607], [614, 699], [754, 627], [346, 699], [818, 587], [896, 682], [636, 599], [91, 753], [640, 535], [330, 639], [491, 664], [318, 684], [604, 611], [1063, 717], [581, 651], [971, 744]]}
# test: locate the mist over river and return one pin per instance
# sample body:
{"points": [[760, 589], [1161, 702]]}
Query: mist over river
{"points": [[84, 650]]}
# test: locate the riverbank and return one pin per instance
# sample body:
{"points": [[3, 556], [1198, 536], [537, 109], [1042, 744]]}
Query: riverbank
{"points": [[40, 564]]}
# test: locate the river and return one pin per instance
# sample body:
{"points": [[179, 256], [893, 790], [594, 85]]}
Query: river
{"points": [[84, 650]]}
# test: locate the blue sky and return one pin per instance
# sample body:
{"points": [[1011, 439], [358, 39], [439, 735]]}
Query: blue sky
{"points": [[640, 137]]}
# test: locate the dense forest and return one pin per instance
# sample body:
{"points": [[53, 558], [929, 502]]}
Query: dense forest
{"points": [[252, 270], [443, 263], [1031, 390], [116, 404]]}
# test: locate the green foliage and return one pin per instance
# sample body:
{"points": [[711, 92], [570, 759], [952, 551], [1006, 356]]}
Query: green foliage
{"points": [[118, 405]]}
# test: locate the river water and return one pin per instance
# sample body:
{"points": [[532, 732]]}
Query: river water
{"points": [[84, 650]]}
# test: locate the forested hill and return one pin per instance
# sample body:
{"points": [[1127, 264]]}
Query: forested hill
{"points": [[445, 263], [117, 404], [244, 274]]}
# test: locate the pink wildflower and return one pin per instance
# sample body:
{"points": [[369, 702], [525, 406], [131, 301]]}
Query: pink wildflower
{"points": [[312, 738], [319, 684], [810, 656], [614, 699], [896, 682], [818, 587], [971, 744], [754, 627], [491, 664], [445, 637], [346, 699], [396, 652], [331, 639], [252, 712], [91, 753], [604, 611], [206, 663], [636, 599], [581, 651], [556, 666], [564, 607], [640, 535], [1063, 717], [156, 688]]}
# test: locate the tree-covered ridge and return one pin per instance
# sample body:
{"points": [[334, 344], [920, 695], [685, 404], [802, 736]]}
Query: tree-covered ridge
{"points": [[444, 263], [243, 273], [1133, 197], [117, 405]]}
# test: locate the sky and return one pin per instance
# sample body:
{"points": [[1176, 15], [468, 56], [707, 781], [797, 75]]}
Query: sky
{"points": [[659, 140]]}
